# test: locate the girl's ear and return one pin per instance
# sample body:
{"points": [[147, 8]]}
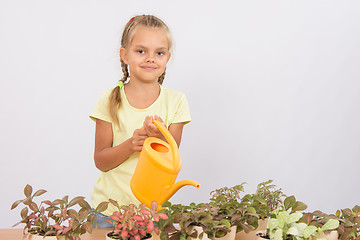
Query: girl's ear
{"points": [[169, 56], [123, 55]]}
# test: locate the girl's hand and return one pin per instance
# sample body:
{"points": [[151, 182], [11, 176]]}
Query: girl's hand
{"points": [[151, 129], [137, 139]]}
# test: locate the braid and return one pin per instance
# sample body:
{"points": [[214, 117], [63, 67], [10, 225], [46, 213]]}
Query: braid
{"points": [[115, 98], [161, 78], [125, 70]]}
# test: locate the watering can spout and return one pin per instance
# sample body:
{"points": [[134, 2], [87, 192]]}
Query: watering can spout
{"points": [[176, 186]]}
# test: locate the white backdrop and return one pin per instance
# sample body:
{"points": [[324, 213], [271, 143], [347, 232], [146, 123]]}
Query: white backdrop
{"points": [[273, 88]]}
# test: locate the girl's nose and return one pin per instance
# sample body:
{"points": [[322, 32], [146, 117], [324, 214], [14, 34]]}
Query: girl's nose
{"points": [[150, 59]]}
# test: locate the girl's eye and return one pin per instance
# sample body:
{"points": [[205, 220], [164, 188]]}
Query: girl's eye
{"points": [[160, 53], [141, 51]]}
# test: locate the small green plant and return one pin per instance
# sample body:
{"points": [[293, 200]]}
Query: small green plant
{"points": [[203, 215], [283, 223], [349, 223], [239, 211], [287, 225], [288, 222], [135, 222], [58, 217], [270, 193], [227, 194]]}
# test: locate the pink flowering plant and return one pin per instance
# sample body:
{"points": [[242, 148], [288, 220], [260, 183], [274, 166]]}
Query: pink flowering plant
{"points": [[62, 217], [134, 222]]}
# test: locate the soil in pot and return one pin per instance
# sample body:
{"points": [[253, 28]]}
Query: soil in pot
{"points": [[333, 235], [229, 236], [112, 236], [242, 235]]}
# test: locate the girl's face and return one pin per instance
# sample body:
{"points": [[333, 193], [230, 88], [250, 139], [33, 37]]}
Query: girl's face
{"points": [[147, 54]]}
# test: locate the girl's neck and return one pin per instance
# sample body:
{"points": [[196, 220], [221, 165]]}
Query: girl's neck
{"points": [[141, 95]]}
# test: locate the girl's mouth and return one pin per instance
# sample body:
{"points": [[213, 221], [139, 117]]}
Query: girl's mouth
{"points": [[149, 68]]}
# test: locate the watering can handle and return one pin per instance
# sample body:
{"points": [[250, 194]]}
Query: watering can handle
{"points": [[171, 141]]}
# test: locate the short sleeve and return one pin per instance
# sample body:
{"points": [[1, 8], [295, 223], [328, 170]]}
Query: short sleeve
{"points": [[182, 113], [101, 108]]}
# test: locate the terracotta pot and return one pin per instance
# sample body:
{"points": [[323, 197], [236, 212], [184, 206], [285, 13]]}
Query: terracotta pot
{"points": [[110, 238], [262, 225], [229, 236]]}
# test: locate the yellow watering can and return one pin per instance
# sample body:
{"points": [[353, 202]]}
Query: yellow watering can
{"points": [[156, 171]]}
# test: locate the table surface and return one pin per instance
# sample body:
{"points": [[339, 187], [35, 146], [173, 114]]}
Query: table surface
{"points": [[17, 234]]}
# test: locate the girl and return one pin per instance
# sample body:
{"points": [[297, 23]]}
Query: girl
{"points": [[124, 114]]}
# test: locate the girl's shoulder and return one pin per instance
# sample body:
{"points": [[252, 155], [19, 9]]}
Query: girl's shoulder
{"points": [[171, 93]]}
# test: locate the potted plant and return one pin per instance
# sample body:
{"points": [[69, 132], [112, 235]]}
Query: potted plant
{"points": [[266, 199], [349, 223], [290, 205], [192, 221], [56, 218], [285, 223], [270, 194], [241, 212], [134, 222], [321, 224], [223, 216]]}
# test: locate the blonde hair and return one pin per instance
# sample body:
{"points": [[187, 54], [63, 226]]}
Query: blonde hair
{"points": [[128, 33]]}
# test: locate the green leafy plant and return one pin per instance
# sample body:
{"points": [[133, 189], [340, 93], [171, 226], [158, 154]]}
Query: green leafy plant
{"points": [[58, 217], [288, 222], [349, 223], [240, 212], [225, 210], [203, 215], [284, 225], [287, 225], [134, 222], [228, 194], [270, 194]]}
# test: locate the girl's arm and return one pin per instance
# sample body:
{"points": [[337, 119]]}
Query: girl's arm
{"points": [[107, 157], [176, 130]]}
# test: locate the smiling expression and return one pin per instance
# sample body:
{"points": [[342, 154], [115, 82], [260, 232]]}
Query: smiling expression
{"points": [[147, 54]]}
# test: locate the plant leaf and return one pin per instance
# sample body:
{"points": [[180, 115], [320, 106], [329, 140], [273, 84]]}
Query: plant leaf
{"points": [[75, 201], [85, 204], [15, 204], [28, 190], [24, 212], [33, 206], [299, 206], [39, 192], [330, 225], [102, 207], [88, 227], [289, 202], [309, 231], [278, 234], [294, 217]]}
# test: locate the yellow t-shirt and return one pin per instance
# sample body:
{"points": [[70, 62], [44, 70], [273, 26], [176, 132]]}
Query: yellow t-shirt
{"points": [[171, 106]]}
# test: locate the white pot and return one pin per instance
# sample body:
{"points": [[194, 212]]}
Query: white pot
{"points": [[229, 236], [38, 237], [242, 235], [109, 238], [333, 235]]}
